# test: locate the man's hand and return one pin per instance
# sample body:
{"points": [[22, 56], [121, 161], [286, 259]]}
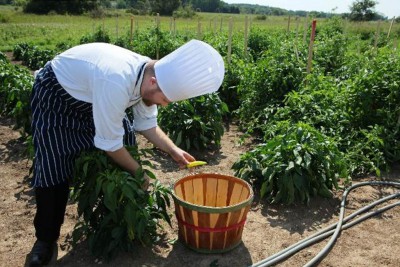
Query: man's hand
{"points": [[162, 141], [181, 157], [146, 182]]}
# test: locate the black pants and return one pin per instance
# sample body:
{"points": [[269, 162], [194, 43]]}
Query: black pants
{"points": [[51, 203]]}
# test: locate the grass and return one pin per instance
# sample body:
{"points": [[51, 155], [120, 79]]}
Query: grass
{"points": [[47, 31]]}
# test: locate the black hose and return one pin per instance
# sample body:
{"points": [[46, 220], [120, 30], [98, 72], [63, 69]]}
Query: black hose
{"points": [[339, 226]]}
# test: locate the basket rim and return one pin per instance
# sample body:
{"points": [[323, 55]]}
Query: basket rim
{"points": [[211, 209]]}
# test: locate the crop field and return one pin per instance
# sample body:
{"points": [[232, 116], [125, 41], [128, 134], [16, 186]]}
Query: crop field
{"points": [[47, 31], [298, 118]]}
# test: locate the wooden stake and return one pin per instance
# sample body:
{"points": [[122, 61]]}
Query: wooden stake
{"points": [[377, 34], [174, 26], [116, 27], [131, 36], [390, 28], [288, 24], [199, 29], [310, 47], [305, 29], [230, 40], [158, 28], [245, 35]]}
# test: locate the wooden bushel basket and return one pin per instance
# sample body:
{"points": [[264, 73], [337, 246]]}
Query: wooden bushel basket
{"points": [[211, 210]]}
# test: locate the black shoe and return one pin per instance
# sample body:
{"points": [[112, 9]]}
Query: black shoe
{"points": [[41, 253]]}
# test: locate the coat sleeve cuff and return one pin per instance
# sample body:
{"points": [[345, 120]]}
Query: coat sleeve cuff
{"points": [[107, 145]]}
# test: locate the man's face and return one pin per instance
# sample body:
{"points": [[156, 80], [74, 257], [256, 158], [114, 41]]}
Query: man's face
{"points": [[154, 96]]}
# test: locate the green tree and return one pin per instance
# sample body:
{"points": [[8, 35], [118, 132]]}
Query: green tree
{"points": [[207, 5], [6, 2], [363, 10], [61, 7], [164, 7]]}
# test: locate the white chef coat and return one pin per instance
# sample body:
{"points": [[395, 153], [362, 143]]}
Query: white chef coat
{"points": [[108, 77]]}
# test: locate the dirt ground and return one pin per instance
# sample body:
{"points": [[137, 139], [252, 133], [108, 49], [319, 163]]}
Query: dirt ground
{"points": [[268, 230]]}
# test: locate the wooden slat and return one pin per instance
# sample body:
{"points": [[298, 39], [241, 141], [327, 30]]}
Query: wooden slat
{"points": [[204, 237], [219, 237], [178, 191], [244, 194], [211, 192], [231, 235], [222, 193], [213, 222], [198, 197], [229, 193], [243, 216], [190, 233], [179, 215], [188, 191], [236, 193], [204, 180]]}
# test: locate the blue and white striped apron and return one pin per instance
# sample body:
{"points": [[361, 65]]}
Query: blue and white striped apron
{"points": [[62, 127]]}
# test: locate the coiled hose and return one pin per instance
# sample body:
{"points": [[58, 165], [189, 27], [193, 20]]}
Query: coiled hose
{"points": [[341, 224]]}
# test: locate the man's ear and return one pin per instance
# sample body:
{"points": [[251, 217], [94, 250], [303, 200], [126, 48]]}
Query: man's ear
{"points": [[153, 80]]}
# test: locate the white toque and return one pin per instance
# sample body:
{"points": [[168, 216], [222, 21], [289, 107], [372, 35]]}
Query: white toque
{"points": [[193, 69]]}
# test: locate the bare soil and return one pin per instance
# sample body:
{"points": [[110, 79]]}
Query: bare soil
{"points": [[269, 228]]}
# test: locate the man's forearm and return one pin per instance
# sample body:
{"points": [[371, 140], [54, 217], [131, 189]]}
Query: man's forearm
{"points": [[157, 137], [124, 160]]}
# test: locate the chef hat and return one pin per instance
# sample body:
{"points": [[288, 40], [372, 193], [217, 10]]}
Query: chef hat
{"points": [[193, 69]]}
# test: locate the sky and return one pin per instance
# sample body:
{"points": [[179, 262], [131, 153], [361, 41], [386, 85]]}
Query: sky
{"points": [[389, 8]]}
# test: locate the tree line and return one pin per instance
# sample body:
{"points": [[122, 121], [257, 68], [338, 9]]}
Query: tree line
{"points": [[360, 10], [163, 7]]}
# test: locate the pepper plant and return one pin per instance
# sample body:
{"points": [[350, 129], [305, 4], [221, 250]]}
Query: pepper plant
{"points": [[299, 162], [15, 90], [194, 123], [113, 208]]}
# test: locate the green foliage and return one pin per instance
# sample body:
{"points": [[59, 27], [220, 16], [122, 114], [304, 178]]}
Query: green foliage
{"points": [[100, 35], [373, 97], [365, 151], [320, 103], [373, 91], [184, 12], [4, 18], [113, 208], [259, 42], [32, 56], [20, 51], [156, 43], [164, 7], [363, 10], [266, 82], [233, 76], [330, 48], [15, 90], [261, 17], [297, 163], [194, 123], [61, 7]]}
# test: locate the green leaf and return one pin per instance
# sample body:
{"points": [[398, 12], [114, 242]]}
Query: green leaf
{"points": [[290, 166], [324, 191], [179, 139]]}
